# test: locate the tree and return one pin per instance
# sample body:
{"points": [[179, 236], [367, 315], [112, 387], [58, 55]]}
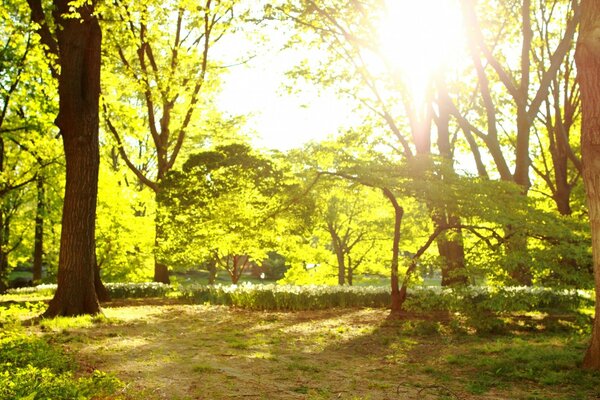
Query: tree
{"points": [[28, 152], [349, 35], [158, 78], [356, 221], [225, 206], [525, 87], [587, 57], [77, 48]]}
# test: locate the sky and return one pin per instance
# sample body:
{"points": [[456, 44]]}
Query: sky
{"points": [[279, 119]]}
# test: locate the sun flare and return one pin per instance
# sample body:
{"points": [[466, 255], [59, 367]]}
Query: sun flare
{"points": [[419, 39]]}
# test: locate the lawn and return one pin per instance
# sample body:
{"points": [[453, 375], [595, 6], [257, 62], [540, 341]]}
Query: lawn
{"points": [[162, 349]]}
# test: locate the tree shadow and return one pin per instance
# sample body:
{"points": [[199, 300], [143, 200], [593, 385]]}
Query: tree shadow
{"points": [[167, 350]]}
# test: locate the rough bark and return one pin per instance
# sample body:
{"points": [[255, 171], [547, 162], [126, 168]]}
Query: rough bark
{"points": [[38, 247], [587, 57], [79, 44]]}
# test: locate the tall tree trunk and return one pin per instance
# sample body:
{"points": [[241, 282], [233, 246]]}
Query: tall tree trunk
{"points": [[79, 43], [396, 306], [450, 243], [520, 270], [587, 57], [559, 150], [350, 275], [38, 248]]}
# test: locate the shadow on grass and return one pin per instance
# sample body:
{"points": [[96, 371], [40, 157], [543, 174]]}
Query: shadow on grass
{"points": [[168, 350]]}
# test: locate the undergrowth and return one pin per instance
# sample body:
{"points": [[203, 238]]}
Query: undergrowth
{"points": [[33, 369]]}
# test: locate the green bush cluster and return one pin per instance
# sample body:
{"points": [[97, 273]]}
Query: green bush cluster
{"points": [[497, 300], [481, 305], [287, 297], [115, 290], [138, 290], [31, 369], [471, 301]]}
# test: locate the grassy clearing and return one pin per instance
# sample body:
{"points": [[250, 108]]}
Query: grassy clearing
{"points": [[177, 352]]}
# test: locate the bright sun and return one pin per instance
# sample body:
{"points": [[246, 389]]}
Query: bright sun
{"points": [[419, 38]]}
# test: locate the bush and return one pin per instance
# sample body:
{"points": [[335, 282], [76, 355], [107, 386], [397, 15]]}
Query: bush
{"points": [[138, 290], [115, 290], [288, 297]]}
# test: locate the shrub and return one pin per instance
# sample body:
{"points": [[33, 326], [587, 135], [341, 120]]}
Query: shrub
{"points": [[116, 290], [288, 297], [138, 290]]}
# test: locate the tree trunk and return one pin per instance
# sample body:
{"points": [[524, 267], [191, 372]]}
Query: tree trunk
{"points": [[38, 248], [450, 244], [350, 275], [212, 271], [339, 253], [101, 290], [396, 306], [587, 57], [559, 150], [161, 273], [451, 249], [79, 43], [161, 270]]}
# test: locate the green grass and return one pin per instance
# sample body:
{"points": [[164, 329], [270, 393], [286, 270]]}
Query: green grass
{"points": [[341, 353], [185, 351], [32, 367]]}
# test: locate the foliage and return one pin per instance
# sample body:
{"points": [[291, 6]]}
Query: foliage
{"points": [[137, 290], [288, 297], [124, 227], [478, 303], [115, 290], [235, 213], [32, 368]]}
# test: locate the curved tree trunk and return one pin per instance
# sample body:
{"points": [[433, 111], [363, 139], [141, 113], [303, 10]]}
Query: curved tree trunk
{"points": [[79, 43], [587, 57]]}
